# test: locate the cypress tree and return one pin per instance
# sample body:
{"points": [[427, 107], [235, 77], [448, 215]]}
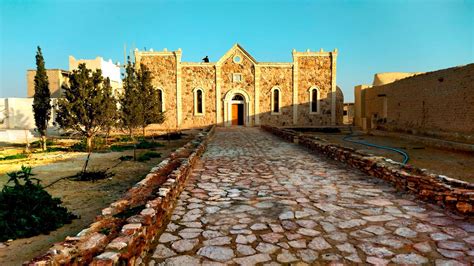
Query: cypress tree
{"points": [[151, 112], [41, 98], [129, 101]]}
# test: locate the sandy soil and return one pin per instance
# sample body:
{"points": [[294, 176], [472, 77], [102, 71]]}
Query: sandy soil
{"points": [[452, 164], [85, 199]]}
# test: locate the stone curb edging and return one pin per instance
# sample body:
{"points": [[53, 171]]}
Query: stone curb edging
{"points": [[444, 191], [125, 229]]}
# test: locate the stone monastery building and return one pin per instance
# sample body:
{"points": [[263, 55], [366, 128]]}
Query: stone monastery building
{"points": [[238, 90]]}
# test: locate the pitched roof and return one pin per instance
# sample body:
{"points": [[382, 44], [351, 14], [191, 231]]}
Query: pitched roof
{"points": [[232, 50]]}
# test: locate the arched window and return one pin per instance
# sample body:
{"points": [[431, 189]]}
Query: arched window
{"points": [[199, 103], [161, 99], [238, 97], [314, 100], [276, 100]]}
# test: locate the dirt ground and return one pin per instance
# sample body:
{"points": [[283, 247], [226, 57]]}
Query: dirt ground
{"points": [[85, 199], [444, 162]]}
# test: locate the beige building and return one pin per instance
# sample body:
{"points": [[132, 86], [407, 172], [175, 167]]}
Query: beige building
{"points": [[58, 77], [437, 104], [239, 90], [348, 114], [108, 68]]}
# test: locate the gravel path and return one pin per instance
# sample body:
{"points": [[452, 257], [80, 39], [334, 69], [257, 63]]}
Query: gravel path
{"points": [[254, 199]]}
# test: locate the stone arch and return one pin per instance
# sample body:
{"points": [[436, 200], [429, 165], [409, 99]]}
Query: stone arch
{"points": [[228, 100]]}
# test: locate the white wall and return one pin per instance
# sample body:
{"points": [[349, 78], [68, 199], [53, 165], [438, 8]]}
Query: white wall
{"points": [[17, 113], [110, 70]]}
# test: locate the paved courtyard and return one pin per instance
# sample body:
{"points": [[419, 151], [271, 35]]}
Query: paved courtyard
{"points": [[254, 199]]}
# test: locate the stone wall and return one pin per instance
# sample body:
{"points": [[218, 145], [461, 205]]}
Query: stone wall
{"points": [[247, 68], [314, 71], [163, 70], [339, 106], [446, 192], [203, 77], [310, 68], [281, 77], [126, 229], [439, 104]]}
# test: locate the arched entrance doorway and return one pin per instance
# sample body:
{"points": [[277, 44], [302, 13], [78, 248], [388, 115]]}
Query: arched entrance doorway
{"points": [[237, 108]]}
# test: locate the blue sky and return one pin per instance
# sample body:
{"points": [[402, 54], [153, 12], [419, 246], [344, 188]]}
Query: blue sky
{"points": [[372, 36]]}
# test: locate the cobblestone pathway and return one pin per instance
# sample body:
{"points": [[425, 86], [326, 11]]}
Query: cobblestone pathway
{"points": [[256, 199]]}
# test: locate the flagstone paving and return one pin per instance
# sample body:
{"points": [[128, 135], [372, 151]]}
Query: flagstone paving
{"points": [[254, 199]]}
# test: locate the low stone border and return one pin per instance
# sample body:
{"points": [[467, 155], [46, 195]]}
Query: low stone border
{"points": [[125, 230], [444, 191]]}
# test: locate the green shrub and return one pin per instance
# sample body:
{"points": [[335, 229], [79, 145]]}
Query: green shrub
{"points": [[98, 144], [14, 157], [124, 139], [126, 158], [53, 149], [91, 175], [148, 155], [119, 148], [79, 146], [171, 136], [148, 145], [37, 144], [26, 209]]}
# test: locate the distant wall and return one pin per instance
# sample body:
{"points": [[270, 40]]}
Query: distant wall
{"points": [[56, 78], [348, 111], [389, 77], [108, 68], [439, 104], [17, 113]]}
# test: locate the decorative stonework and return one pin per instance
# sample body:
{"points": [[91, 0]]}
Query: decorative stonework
{"points": [[308, 69], [314, 72], [163, 67], [280, 77], [198, 77]]}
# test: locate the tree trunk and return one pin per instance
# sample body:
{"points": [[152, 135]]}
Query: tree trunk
{"points": [[43, 142], [143, 129], [107, 137], [84, 169], [27, 146], [130, 133], [134, 152], [89, 144]]}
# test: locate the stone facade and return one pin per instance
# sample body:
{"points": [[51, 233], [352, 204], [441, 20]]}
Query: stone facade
{"points": [[237, 73], [438, 104]]}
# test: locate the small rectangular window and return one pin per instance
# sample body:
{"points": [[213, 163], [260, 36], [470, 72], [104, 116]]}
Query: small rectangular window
{"points": [[236, 77]]}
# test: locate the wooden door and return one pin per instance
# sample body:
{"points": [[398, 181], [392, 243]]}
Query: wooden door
{"points": [[235, 114]]}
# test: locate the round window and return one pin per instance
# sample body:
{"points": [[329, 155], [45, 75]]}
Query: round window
{"points": [[237, 59]]}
